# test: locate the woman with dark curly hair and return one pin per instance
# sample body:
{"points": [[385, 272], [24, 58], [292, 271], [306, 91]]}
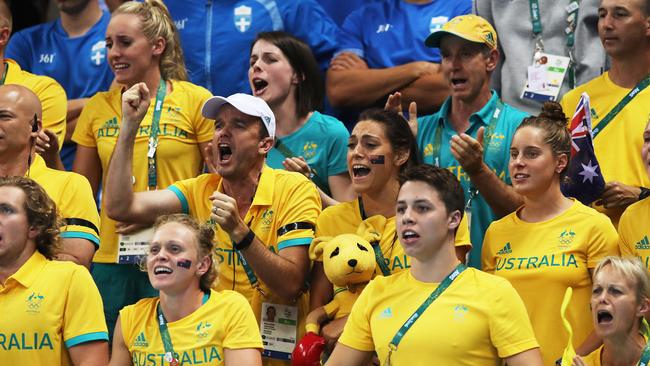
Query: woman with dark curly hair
{"points": [[189, 321], [551, 242]]}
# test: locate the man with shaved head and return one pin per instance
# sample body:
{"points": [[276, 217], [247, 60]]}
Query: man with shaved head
{"points": [[20, 125], [51, 95]]}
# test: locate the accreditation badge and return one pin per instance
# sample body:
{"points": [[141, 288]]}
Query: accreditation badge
{"points": [[131, 248], [278, 327], [545, 77]]}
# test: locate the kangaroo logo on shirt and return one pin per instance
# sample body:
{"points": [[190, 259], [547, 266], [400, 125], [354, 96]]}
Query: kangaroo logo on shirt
{"points": [[643, 243], [437, 23], [202, 329], [243, 18], [459, 312], [98, 53], [566, 238], [267, 217], [34, 302], [309, 149]]}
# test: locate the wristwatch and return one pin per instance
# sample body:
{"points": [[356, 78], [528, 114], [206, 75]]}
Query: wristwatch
{"points": [[645, 192]]}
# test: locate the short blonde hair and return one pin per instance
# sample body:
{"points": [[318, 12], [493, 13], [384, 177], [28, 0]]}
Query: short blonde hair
{"points": [[157, 22], [633, 270]]}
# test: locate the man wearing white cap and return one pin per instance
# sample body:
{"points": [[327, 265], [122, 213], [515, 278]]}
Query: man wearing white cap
{"points": [[264, 218]]}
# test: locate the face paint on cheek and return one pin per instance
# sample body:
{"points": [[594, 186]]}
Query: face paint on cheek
{"points": [[184, 263], [376, 159]]}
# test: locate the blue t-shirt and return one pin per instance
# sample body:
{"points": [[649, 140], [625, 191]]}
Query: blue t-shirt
{"points": [[392, 32], [339, 10], [79, 64], [216, 36], [322, 141], [497, 157]]}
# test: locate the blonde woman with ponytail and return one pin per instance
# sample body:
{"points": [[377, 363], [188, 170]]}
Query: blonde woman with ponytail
{"points": [[142, 47], [551, 242]]}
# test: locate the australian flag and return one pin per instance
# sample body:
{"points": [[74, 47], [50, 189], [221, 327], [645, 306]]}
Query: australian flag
{"points": [[586, 182]]}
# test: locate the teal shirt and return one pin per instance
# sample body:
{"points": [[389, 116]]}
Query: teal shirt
{"points": [[497, 157], [322, 141]]}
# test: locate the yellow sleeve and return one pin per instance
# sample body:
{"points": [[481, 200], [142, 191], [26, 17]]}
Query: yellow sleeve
{"points": [[462, 234], [84, 316], [303, 206], [126, 321], [624, 245], [79, 211], [357, 333], [569, 102], [487, 259], [184, 191], [203, 127], [603, 241], [242, 330], [510, 329], [55, 106], [83, 132]]}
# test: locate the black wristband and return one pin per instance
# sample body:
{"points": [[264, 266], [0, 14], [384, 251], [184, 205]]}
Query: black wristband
{"points": [[246, 241], [645, 192]]}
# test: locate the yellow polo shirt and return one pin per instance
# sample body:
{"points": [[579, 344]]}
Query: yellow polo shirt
{"points": [[73, 197], [617, 147], [52, 96], [182, 128], [225, 320], [478, 320], [542, 259], [634, 231], [282, 215], [47, 308]]}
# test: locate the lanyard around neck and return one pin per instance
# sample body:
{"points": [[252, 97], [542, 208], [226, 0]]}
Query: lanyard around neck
{"points": [[4, 75], [645, 356], [153, 135], [619, 107], [572, 21], [397, 338], [170, 355]]}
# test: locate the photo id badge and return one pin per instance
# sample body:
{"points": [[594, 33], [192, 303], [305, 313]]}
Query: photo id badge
{"points": [[278, 326], [545, 77], [131, 248]]}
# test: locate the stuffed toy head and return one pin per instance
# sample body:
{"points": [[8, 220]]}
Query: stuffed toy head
{"points": [[347, 258]]}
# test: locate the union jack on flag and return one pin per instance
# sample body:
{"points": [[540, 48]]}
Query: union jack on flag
{"points": [[586, 182]]}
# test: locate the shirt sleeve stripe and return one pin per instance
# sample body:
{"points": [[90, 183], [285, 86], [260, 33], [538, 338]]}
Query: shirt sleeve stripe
{"points": [[294, 242], [81, 222], [88, 337], [81, 235], [181, 197]]}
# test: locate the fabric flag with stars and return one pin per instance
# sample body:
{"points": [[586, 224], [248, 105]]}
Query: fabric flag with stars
{"points": [[585, 181]]}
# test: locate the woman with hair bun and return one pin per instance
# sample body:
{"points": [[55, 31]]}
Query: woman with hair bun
{"points": [[189, 323], [551, 242], [142, 47]]}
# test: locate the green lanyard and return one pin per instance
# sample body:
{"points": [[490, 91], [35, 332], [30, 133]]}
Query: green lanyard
{"points": [[4, 76], [170, 355], [397, 338], [153, 135], [379, 256], [619, 107], [252, 277], [536, 21]]}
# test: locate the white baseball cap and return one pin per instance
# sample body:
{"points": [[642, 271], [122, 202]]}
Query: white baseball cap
{"points": [[247, 104]]}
